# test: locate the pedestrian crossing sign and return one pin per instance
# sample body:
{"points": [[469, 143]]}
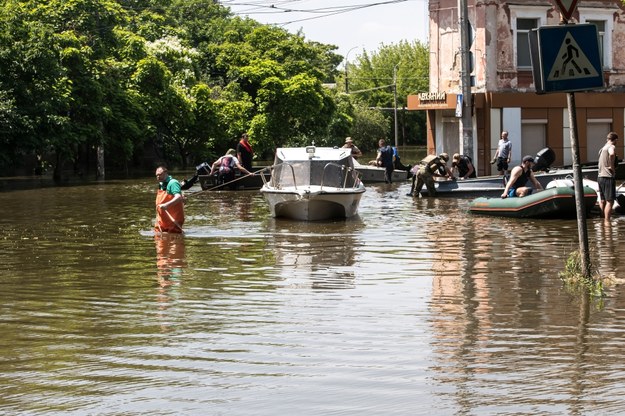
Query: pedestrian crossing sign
{"points": [[566, 58]]}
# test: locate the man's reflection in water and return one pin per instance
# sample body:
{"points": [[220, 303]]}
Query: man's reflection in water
{"points": [[607, 241], [170, 265], [170, 258]]}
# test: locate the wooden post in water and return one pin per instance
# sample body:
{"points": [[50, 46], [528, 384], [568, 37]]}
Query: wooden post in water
{"points": [[579, 188]]}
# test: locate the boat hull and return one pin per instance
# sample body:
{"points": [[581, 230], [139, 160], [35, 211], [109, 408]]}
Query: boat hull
{"points": [[372, 174], [312, 205], [493, 186], [557, 202]]}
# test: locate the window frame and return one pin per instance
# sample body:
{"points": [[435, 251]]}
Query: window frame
{"points": [[603, 15], [538, 13]]}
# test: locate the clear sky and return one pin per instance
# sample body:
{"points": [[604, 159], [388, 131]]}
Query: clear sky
{"points": [[352, 25]]}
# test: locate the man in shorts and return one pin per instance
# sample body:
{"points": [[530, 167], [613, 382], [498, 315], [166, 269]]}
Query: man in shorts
{"points": [[606, 177]]}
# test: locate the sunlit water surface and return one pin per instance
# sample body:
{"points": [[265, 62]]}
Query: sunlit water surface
{"points": [[414, 307]]}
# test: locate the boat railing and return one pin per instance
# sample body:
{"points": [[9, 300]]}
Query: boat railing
{"points": [[343, 168], [274, 180]]}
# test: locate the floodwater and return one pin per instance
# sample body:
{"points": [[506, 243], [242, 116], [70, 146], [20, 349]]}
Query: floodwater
{"points": [[414, 307]]}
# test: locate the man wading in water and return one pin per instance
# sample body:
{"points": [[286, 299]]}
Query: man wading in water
{"points": [[169, 203]]}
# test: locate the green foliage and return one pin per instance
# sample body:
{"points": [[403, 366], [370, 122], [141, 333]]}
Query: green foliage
{"points": [[184, 76], [371, 80], [574, 276], [369, 126]]}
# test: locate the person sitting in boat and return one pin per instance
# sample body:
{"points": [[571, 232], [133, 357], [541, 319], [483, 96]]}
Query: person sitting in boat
{"points": [[519, 177], [349, 144], [464, 164], [430, 167], [225, 167]]}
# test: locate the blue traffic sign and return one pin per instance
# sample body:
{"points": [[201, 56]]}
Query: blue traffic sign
{"points": [[566, 58]]}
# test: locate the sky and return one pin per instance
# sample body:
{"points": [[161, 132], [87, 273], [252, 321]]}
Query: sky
{"points": [[352, 25]]}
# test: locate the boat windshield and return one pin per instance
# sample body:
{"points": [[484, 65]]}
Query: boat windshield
{"points": [[323, 172]]}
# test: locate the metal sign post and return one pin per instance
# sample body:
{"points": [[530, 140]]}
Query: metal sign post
{"points": [[566, 58]]}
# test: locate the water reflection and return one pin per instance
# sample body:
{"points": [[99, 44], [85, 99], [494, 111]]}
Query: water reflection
{"points": [[170, 258], [414, 304], [321, 252], [605, 246]]}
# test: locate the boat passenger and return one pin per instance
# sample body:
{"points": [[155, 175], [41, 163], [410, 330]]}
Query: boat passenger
{"points": [[430, 166], [225, 167], [169, 203], [519, 177], [464, 165], [349, 144], [245, 154]]}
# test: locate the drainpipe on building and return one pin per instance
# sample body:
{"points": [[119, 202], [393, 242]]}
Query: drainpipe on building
{"points": [[466, 119]]}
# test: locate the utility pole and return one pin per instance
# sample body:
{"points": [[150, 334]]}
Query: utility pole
{"points": [[395, 102], [466, 120], [346, 64]]}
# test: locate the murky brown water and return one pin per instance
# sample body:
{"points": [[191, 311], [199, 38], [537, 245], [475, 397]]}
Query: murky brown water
{"points": [[414, 307]]}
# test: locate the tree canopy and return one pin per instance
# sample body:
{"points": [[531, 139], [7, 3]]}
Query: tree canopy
{"points": [[373, 77], [175, 80]]}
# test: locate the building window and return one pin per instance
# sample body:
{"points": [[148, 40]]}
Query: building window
{"points": [[601, 31], [603, 19], [523, 27]]}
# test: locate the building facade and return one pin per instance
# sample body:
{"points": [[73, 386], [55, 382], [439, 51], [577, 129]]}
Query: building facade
{"points": [[503, 93]]}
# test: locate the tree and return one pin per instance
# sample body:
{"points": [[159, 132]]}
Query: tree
{"points": [[371, 80], [184, 75]]}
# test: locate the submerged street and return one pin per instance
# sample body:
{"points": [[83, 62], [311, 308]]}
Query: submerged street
{"points": [[414, 306]]}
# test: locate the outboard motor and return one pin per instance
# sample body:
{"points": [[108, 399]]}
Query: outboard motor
{"points": [[203, 168], [544, 159]]}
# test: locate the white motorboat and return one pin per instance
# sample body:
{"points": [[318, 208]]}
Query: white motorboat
{"points": [[313, 183]]}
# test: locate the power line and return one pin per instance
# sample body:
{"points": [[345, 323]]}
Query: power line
{"points": [[281, 7]]}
